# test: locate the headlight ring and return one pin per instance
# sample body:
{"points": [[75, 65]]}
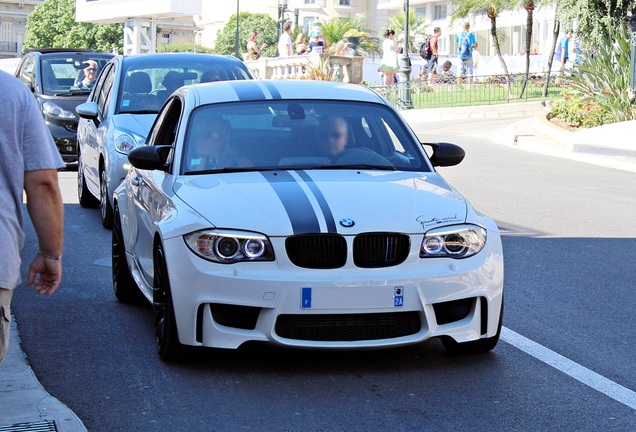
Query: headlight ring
{"points": [[460, 241]]}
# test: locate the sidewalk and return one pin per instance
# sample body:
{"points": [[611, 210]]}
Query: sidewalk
{"points": [[24, 404], [610, 146]]}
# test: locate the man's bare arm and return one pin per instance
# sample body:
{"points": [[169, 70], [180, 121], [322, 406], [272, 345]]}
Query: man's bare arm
{"points": [[44, 203]]}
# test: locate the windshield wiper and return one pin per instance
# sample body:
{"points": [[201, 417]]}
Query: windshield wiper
{"points": [[356, 166], [139, 112], [233, 170]]}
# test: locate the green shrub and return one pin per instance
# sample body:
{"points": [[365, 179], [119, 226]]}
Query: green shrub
{"points": [[579, 112], [599, 91]]}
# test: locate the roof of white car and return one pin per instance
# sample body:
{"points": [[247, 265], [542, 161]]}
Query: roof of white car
{"points": [[254, 90]]}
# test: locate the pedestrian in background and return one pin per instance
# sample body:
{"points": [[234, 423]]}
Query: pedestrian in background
{"points": [[253, 50], [389, 63], [285, 48], [432, 62], [301, 44], [28, 163], [476, 58], [562, 52], [465, 42]]}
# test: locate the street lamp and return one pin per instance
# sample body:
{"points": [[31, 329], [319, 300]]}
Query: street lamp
{"points": [[632, 63], [236, 33], [405, 66], [282, 8]]}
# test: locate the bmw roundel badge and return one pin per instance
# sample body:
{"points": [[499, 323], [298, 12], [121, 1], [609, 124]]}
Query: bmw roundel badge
{"points": [[347, 223]]}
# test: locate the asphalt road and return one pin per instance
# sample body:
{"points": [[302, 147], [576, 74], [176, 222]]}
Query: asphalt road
{"points": [[569, 240]]}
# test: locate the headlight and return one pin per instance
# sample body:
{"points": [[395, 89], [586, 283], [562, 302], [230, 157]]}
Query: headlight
{"points": [[124, 142], [460, 241], [56, 111], [229, 247]]}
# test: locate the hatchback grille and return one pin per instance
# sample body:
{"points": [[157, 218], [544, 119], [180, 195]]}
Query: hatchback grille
{"points": [[348, 327], [374, 250], [318, 251]]}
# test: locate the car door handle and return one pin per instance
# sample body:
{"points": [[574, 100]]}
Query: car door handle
{"points": [[136, 181]]}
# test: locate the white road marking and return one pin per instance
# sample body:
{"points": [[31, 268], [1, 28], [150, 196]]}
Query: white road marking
{"points": [[580, 373]]}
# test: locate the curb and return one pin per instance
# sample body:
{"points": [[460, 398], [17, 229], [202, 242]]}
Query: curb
{"points": [[499, 111], [30, 407]]}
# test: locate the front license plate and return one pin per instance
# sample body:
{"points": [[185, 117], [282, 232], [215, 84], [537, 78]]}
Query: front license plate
{"points": [[352, 297]]}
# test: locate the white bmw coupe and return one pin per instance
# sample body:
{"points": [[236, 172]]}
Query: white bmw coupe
{"points": [[304, 214]]}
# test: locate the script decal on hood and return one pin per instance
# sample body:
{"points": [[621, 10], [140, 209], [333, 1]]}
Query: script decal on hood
{"points": [[428, 222]]}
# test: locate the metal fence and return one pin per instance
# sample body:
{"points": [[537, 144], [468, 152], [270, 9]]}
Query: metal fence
{"points": [[8, 47], [480, 90]]}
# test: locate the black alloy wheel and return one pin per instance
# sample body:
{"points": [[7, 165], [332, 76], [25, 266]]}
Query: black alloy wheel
{"points": [[104, 202], [126, 290], [86, 199], [166, 335]]}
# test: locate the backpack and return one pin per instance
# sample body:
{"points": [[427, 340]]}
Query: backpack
{"points": [[425, 49], [464, 46]]}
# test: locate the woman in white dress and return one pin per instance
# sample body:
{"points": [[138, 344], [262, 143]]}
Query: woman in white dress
{"points": [[389, 64]]}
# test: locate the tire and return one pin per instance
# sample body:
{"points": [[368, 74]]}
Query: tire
{"points": [[477, 346], [104, 202], [166, 334], [126, 290], [86, 198]]}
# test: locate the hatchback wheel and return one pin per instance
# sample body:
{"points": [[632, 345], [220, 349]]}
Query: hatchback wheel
{"points": [[104, 202], [86, 198], [124, 285], [166, 335]]}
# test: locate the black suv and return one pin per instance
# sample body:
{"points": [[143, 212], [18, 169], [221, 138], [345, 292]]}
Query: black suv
{"points": [[61, 79]]}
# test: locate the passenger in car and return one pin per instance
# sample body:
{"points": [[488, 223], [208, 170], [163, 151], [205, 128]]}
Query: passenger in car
{"points": [[210, 146]]}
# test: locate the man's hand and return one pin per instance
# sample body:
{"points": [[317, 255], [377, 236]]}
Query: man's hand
{"points": [[50, 272]]}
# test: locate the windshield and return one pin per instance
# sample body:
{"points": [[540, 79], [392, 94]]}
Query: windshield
{"points": [[65, 74], [266, 135], [147, 86]]}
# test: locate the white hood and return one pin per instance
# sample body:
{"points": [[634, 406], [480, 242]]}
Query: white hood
{"points": [[282, 203]]}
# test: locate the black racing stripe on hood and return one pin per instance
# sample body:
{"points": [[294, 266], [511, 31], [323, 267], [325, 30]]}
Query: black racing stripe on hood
{"points": [[297, 205], [322, 202], [272, 89], [247, 90]]}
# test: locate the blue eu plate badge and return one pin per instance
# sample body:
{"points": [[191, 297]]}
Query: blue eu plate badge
{"points": [[398, 296], [305, 298]]}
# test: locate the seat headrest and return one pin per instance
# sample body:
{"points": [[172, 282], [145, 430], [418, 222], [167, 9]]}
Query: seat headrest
{"points": [[173, 80], [138, 82]]}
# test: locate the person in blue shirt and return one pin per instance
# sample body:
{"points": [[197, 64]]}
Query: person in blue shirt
{"points": [[562, 52], [465, 42]]}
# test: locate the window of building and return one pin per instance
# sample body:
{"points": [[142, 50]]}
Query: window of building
{"points": [[310, 1], [420, 11], [439, 12], [344, 2], [308, 22]]}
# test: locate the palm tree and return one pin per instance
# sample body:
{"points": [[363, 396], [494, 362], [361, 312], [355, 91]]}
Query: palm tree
{"points": [[417, 27], [490, 8], [555, 35], [529, 6], [335, 29]]}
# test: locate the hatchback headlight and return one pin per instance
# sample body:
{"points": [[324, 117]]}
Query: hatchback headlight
{"points": [[54, 110], [125, 142], [229, 247], [459, 241]]}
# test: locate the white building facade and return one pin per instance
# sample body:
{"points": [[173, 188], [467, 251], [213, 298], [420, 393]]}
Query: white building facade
{"points": [[13, 18]]}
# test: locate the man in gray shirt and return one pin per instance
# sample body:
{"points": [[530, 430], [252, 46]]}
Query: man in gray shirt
{"points": [[28, 163]]}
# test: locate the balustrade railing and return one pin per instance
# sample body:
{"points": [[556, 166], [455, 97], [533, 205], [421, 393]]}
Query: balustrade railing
{"points": [[346, 69]]}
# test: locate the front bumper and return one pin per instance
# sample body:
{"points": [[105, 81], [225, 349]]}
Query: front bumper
{"points": [[65, 141], [225, 306]]}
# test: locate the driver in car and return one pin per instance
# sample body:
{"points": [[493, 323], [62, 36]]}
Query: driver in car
{"points": [[333, 136], [90, 75]]}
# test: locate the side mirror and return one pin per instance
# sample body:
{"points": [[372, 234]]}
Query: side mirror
{"points": [[446, 154], [152, 157], [88, 110]]}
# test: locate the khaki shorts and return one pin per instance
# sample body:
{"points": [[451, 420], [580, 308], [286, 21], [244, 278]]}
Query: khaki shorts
{"points": [[5, 320]]}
